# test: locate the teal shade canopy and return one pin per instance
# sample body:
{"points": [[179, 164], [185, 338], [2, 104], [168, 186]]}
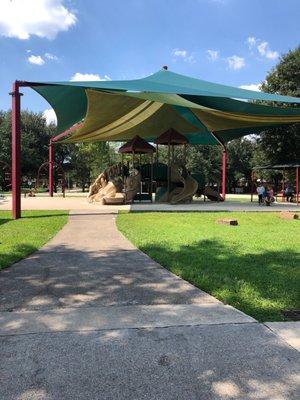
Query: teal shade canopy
{"points": [[204, 112]]}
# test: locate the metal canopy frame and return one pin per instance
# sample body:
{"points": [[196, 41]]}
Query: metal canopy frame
{"points": [[151, 89], [16, 151]]}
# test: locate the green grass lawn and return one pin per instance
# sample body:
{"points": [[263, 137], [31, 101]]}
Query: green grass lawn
{"points": [[23, 236], [253, 266]]}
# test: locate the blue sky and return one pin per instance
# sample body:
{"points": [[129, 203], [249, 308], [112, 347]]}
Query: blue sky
{"points": [[234, 42]]}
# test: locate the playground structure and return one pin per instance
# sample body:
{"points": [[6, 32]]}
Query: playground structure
{"points": [[42, 179], [110, 187], [171, 182], [204, 112], [180, 185], [138, 146]]}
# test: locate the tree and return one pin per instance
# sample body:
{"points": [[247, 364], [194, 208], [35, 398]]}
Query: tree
{"points": [[240, 160], [206, 161], [34, 140], [88, 160], [200, 160], [282, 145]]}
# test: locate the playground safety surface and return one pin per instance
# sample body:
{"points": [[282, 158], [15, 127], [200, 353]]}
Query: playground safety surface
{"points": [[80, 203]]}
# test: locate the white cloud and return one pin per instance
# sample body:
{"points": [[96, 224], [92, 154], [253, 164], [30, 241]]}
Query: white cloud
{"points": [[89, 77], [262, 47], [219, 1], [212, 55], [272, 55], [184, 55], [190, 59], [252, 86], [235, 62], [251, 42], [43, 18], [40, 60], [50, 116], [265, 51], [51, 56], [179, 53], [37, 60]]}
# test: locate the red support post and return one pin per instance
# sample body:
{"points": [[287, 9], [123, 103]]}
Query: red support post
{"points": [[224, 164], [16, 150], [297, 185], [51, 161], [253, 176]]}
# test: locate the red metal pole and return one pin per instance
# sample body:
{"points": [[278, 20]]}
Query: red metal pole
{"points": [[63, 184], [224, 162], [252, 184], [16, 150], [51, 161], [297, 185], [283, 184]]}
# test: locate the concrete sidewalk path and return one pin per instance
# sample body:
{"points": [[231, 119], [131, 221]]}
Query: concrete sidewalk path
{"points": [[91, 317], [288, 331]]}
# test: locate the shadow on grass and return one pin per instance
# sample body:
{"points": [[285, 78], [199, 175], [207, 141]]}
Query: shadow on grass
{"points": [[33, 216], [43, 215], [17, 253], [259, 284], [4, 220]]}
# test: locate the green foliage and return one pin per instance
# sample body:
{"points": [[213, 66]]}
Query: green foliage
{"points": [[285, 77], [240, 160], [282, 145], [88, 160], [34, 140], [21, 237], [253, 266], [5, 142], [205, 160], [84, 161]]}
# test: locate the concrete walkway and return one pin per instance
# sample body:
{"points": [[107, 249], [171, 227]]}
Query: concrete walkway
{"points": [[288, 331], [91, 317]]}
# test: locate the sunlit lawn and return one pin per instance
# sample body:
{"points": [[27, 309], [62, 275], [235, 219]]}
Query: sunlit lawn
{"points": [[21, 237], [253, 266]]}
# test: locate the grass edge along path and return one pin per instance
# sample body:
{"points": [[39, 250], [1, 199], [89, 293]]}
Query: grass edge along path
{"points": [[19, 238], [253, 266]]}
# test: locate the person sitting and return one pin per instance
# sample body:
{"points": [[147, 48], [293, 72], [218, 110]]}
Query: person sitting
{"points": [[269, 196], [289, 193]]}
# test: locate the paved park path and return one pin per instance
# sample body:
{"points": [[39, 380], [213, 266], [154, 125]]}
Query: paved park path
{"points": [[91, 317]]}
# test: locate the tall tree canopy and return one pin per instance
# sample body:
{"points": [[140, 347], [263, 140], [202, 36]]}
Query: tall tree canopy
{"points": [[85, 161], [34, 140], [282, 145]]}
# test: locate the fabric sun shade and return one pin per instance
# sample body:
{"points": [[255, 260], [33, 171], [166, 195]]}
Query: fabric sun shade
{"points": [[137, 145], [171, 137], [204, 112]]}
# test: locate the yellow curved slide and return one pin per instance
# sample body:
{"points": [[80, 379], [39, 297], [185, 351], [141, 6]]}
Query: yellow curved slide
{"points": [[190, 186]]}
